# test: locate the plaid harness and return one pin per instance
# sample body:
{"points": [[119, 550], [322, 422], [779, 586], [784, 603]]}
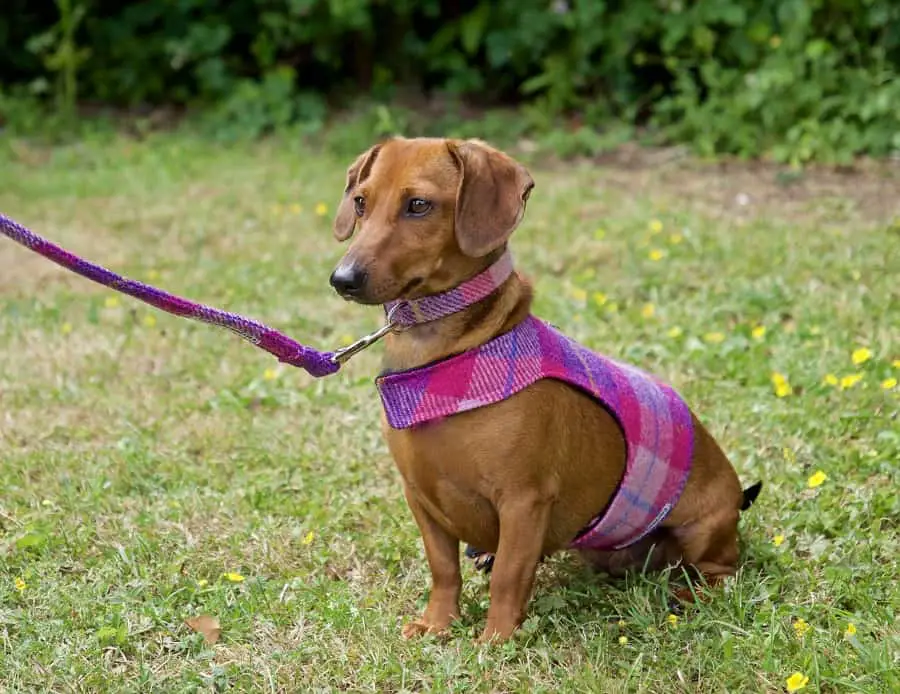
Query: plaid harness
{"points": [[655, 421]]}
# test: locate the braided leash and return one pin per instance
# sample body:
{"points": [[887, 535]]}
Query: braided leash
{"points": [[288, 351]]}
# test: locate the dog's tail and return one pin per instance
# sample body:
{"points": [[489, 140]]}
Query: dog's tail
{"points": [[750, 494]]}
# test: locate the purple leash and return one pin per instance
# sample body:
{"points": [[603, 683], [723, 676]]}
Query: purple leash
{"points": [[317, 363]]}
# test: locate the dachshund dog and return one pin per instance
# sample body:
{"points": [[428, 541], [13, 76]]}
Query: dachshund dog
{"points": [[522, 473]]}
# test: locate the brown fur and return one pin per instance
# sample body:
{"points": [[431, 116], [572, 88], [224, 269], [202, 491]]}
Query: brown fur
{"points": [[521, 477]]}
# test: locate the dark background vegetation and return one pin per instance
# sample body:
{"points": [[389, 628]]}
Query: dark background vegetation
{"points": [[791, 80]]}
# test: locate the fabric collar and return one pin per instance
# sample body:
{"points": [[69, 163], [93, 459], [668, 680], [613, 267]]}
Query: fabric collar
{"points": [[409, 312]]}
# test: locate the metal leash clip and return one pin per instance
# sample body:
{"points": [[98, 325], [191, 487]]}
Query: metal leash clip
{"points": [[342, 355]]}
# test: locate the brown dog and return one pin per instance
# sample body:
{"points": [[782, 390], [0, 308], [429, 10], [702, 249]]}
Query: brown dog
{"points": [[518, 478]]}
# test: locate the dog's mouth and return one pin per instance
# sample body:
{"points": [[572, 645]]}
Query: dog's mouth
{"points": [[411, 286], [367, 297]]}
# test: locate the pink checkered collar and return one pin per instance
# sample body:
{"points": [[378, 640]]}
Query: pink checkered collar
{"points": [[409, 312]]}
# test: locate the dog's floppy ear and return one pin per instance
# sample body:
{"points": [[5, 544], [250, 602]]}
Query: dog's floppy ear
{"points": [[345, 218], [490, 202]]}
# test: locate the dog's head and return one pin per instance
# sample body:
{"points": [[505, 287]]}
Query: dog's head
{"points": [[425, 213]]}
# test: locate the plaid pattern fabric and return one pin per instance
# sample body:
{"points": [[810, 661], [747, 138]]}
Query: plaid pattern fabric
{"points": [[655, 421], [428, 308]]}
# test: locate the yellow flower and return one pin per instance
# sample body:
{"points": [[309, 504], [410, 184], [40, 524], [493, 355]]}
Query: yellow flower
{"points": [[308, 538], [655, 226], [621, 624], [623, 640], [202, 583], [600, 234], [800, 627], [851, 629], [781, 385], [896, 363], [672, 619], [889, 383], [861, 355], [675, 239], [297, 208], [714, 338], [270, 374], [578, 294], [797, 681], [599, 298], [20, 584], [655, 254], [111, 302], [850, 380], [816, 479], [233, 577], [830, 380], [66, 328], [321, 209], [778, 540], [152, 275], [648, 310], [788, 454], [674, 332], [759, 332], [149, 320], [613, 307]]}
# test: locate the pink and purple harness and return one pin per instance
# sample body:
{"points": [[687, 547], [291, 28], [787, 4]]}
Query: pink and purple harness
{"points": [[655, 422]]}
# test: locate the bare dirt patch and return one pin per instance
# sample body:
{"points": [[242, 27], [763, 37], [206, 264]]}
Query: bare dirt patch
{"points": [[868, 191]]}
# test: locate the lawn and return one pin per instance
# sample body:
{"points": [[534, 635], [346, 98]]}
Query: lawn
{"points": [[153, 469]]}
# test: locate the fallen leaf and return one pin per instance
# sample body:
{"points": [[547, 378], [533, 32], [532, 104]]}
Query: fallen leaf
{"points": [[206, 625]]}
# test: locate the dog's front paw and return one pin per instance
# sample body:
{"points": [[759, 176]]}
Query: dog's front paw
{"points": [[495, 635], [420, 627]]}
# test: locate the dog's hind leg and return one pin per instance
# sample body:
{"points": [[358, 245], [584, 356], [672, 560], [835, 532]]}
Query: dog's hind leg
{"points": [[483, 561]]}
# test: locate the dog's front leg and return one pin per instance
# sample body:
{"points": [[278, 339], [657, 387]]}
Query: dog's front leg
{"points": [[442, 553], [523, 525]]}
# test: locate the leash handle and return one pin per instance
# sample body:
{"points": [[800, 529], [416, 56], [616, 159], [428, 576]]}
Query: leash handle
{"points": [[288, 351]]}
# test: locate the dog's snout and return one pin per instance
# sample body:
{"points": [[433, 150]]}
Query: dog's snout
{"points": [[349, 279]]}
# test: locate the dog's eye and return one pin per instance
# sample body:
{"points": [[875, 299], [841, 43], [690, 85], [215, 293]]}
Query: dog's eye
{"points": [[359, 202], [418, 207]]}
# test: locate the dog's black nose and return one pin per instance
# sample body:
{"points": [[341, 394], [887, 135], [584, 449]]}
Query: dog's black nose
{"points": [[348, 279]]}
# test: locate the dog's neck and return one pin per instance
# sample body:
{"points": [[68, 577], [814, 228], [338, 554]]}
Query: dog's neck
{"points": [[470, 327]]}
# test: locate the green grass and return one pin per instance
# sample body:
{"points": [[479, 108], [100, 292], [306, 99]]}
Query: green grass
{"points": [[143, 456]]}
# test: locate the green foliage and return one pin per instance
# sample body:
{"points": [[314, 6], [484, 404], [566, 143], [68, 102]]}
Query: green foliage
{"points": [[60, 55], [796, 80], [253, 108], [802, 80]]}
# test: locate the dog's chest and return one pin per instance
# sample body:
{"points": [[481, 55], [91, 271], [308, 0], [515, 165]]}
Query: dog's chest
{"points": [[456, 469]]}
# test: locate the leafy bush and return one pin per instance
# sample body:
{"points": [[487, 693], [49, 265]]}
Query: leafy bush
{"points": [[802, 79], [793, 79], [253, 107]]}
